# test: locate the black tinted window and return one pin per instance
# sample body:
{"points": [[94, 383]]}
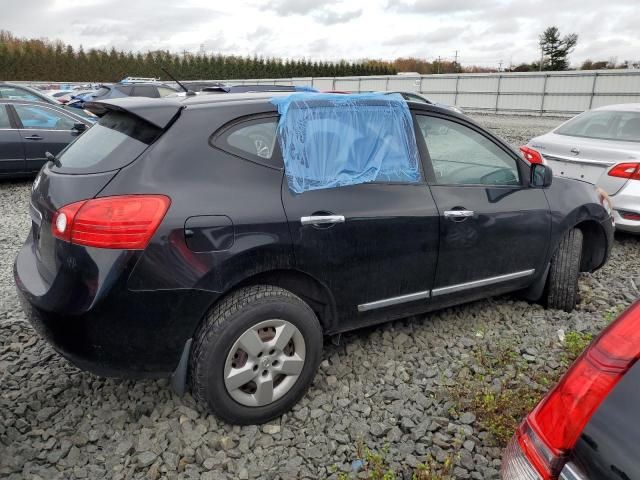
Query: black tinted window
{"points": [[461, 156], [254, 140], [115, 141], [145, 91], [4, 117]]}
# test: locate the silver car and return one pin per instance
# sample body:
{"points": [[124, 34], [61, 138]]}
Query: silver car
{"points": [[601, 146]]}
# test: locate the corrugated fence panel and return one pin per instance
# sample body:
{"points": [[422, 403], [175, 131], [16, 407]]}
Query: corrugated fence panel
{"points": [[602, 100], [374, 84], [566, 103], [438, 83], [323, 83], [404, 84], [522, 83], [478, 84], [618, 84], [447, 98], [477, 100], [519, 102], [302, 81], [348, 84], [569, 84]]}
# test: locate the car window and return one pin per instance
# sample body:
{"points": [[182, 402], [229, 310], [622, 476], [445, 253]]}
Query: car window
{"points": [[253, 140], [605, 125], [462, 156], [4, 117], [164, 91], [145, 91], [13, 93], [43, 118], [126, 89]]}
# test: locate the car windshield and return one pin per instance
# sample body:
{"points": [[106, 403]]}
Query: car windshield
{"points": [[605, 125]]}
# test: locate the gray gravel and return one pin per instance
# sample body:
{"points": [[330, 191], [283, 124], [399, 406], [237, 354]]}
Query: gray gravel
{"points": [[383, 385]]}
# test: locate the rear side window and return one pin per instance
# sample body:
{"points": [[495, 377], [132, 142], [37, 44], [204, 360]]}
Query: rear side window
{"points": [[126, 89], [145, 91], [115, 141], [14, 93], [254, 140]]}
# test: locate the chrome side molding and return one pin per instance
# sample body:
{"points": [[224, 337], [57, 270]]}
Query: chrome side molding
{"points": [[387, 302]]}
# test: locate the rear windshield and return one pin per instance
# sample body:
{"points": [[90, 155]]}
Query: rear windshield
{"points": [[605, 125], [115, 141]]}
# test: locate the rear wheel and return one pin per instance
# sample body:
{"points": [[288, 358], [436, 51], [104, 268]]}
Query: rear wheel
{"points": [[562, 286], [255, 354]]}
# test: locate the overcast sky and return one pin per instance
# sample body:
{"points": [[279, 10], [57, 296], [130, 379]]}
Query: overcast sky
{"points": [[484, 32]]}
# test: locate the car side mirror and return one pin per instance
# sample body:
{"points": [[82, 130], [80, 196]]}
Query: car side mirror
{"points": [[79, 127], [541, 175]]}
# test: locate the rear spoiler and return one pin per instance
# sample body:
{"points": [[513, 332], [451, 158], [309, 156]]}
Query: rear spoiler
{"points": [[158, 112]]}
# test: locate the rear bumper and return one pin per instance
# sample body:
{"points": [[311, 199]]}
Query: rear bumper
{"points": [[627, 200], [103, 327]]}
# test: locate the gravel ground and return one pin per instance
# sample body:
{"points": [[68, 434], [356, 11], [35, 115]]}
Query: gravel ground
{"points": [[388, 385]]}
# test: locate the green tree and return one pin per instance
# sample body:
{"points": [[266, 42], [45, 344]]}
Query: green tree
{"points": [[556, 49]]}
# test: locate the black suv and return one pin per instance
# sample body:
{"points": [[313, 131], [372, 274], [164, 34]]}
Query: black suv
{"points": [[168, 242]]}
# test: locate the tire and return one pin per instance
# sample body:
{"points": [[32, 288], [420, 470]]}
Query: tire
{"points": [[562, 286], [252, 322]]}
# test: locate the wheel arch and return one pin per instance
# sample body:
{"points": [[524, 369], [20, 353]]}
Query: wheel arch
{"points": [[594, 245]]}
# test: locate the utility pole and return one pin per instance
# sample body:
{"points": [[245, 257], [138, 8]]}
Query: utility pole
{"points": [[438, 64], [455, 62], [500, 66], [541, 57]]}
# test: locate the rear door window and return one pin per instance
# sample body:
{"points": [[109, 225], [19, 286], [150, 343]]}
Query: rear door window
{"points": [[115, 141], [35, 117], [253, 140]]}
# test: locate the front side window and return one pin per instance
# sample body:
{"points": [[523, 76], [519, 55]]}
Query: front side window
{"points": [[34, 117], [605, 125], [462, 156], [13, 93]]}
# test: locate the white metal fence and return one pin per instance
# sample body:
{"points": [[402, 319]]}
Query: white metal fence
{"points": [[528, 92], [542, 93]]}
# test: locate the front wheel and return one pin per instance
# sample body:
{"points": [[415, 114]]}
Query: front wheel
{"points": [[255, 354], [562, 286]]}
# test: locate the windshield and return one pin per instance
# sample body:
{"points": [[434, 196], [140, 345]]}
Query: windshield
{"points": [[605, 125], [115, 141]]}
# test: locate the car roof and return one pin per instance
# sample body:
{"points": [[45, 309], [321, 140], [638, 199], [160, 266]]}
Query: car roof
{"points": [[160, 111], [621, 107]]}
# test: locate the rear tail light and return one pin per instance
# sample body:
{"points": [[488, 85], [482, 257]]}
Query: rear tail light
{"points": [[530, 155], [626, 170], [629, 215], [547, 434], [122, 222]]}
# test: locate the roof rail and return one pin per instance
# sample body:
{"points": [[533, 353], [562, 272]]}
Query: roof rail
{"points": [[138, 79]]}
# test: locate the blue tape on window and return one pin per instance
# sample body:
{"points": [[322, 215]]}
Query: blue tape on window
{"points": [[334, 140]]}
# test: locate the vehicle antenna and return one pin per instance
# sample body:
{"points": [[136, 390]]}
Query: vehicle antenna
{"points": [[187, 91]]}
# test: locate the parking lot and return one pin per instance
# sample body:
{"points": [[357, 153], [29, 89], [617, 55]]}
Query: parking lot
{"points": [[397, 389]]}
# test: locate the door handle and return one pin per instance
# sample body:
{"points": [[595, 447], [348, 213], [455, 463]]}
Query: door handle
{"points": [[322, 219], [33, 137], [458, 214]]}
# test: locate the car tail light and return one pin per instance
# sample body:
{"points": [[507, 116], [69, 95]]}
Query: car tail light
{"points": [[629, 215], [530, 155], [551, 430], [626, 170], [123, 222]]}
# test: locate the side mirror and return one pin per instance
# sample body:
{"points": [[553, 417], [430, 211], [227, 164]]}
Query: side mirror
{"points": [[541, 175], [79, 127]]}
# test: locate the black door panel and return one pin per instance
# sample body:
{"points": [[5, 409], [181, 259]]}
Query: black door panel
{"points": [[386, 246]]}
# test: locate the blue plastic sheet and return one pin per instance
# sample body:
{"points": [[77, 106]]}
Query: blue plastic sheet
{"points": [[334, 140]]}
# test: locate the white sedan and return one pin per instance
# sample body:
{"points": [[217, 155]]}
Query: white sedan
{"points": [[600, 146]]}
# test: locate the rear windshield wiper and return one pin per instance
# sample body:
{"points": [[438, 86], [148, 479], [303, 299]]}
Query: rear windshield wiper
{"points": [[52, 158]]}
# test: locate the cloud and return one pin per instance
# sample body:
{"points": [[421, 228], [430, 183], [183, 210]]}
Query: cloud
{"points": [[296, 7], [447, 34], [439, 6], [327, 17]]}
